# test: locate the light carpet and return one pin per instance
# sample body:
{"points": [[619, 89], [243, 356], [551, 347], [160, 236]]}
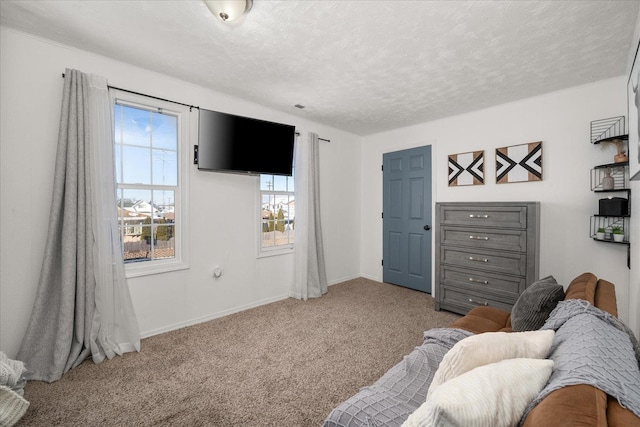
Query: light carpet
{"points": [[283, 364]]}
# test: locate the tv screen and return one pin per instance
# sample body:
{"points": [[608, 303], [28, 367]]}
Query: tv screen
{"points": [[229, 143]]}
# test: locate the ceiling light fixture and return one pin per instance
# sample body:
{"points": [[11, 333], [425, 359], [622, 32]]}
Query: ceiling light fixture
{"points": [[229, 10]]}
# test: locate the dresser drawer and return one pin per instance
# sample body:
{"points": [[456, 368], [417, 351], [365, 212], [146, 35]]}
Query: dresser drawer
{"points": [[499, 262], [508, 240], [462, 301], [483, 216], [482, 281]]}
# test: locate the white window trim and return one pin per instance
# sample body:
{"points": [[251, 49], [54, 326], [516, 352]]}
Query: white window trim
{"points": [[187, 131], [265, 253], [268, 251]]}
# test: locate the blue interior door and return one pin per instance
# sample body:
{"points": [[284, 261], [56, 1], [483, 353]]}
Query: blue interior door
{"points": [[406, 220]]}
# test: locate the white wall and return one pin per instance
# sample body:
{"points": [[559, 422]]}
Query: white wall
{"points": [[30, 95], [561, 120]]}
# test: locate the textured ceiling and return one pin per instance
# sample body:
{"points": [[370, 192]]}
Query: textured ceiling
{"points": [[360, 66]]}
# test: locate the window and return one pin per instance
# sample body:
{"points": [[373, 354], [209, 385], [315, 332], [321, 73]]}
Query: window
{"points": [[277, 214], [148, 140]]}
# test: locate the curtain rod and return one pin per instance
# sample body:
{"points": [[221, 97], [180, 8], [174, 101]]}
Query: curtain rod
{"points": [[191, 107], [320, 139]]}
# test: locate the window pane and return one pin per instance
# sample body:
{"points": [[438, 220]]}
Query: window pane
{"points": [[136, 194], [135, 126], [136, 165], [165, 167], [137, 202], [135, 224], [291, 208], [165, 131], [164, 202], [281, 203], [266, 182], [136, 249], [268, 209], [164, 243], [279, 183], [268, 239]]}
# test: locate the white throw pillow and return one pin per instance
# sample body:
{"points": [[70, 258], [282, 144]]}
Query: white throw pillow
{"points": [[493, 395], [490, 347]]}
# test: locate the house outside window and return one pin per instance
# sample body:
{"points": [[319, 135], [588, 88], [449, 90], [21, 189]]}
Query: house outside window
{"points": [[277, 214], [149, 136]]}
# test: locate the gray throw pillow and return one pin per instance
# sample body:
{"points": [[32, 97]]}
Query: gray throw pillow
{"points": [[535, 304]]}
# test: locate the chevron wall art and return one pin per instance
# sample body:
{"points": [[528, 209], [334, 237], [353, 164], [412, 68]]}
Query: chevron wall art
{"points": [[519, 163], [466, 169]]}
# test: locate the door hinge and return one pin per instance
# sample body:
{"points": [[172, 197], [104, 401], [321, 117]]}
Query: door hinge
{"points": [[382, 262], [195, 154], [382, 167], [382, 214]]}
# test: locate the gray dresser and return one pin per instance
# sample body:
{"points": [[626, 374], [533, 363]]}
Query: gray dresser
{"points": [[487, 253]]}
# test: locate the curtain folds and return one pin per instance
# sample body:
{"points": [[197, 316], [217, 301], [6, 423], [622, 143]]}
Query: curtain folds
{"points": [[115, 327], [310, 279], [82, 305]]}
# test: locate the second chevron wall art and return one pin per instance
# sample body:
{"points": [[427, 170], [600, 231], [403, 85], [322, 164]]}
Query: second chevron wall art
{"points": [[519, 163]]}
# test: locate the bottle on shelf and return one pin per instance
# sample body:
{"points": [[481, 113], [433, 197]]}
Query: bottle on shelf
{"points": [[607, 181]]}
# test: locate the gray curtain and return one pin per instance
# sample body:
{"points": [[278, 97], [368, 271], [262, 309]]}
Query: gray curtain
{"points": [[59, 334], [310, 279]]}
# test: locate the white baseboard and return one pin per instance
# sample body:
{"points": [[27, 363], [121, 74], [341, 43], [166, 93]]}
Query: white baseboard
{"points": [[374, 278], [213, 316], [233, 310], [343, 279]]}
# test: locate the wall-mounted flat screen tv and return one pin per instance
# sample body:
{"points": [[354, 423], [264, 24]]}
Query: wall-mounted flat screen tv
{"points": [[229, 143]]}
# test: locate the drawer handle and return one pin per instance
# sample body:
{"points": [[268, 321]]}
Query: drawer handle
{"points": [[478, 216], [472, 258], [479, 237], [484, 282], [477, 302]]}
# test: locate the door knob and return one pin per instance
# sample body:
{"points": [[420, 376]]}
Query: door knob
{"points": [[427, 227]]}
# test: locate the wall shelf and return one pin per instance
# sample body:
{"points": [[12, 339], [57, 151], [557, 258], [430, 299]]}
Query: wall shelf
{"points": [[619, 172], [607, 223]]}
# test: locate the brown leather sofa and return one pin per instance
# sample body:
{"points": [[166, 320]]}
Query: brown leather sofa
{"points": [[573, 406]]}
